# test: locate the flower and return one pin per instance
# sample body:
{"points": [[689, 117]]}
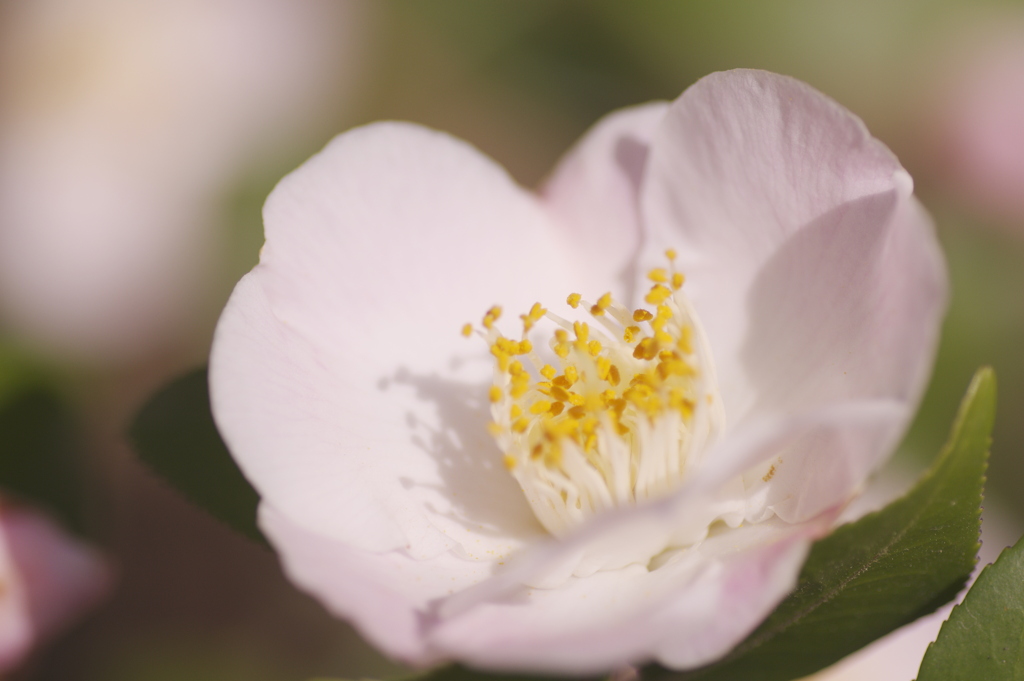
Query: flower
{"points": [[813, 293], [123, 125], [975, 117], [47, 579]]}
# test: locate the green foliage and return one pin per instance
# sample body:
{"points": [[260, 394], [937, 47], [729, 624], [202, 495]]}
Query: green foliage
{"points": [[983, 639], [39, 454], [881, 572], [175, 435]]}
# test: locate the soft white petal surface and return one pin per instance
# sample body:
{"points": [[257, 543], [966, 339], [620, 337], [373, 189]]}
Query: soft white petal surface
{"points": [[594, 192], [690, 610], [338, 375], [783, 187], [816, 274], [338, 380]]}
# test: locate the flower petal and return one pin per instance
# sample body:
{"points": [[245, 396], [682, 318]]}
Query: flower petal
{"points": [[816, 273], [816, 276], [47, 578], [338, 377], [595, 193], [718, 601], [688, 611], [385, 595]]}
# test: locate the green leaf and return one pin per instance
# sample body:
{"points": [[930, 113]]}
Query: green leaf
{"points": [[983, 638], [879, 573], [39, 454], [175, 435]]}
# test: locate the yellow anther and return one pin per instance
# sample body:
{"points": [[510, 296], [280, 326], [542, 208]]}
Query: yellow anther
{"points": [[494, 394], [603, 303], [467, 330], [671, 253], [525, 347], [531, 317], [629, 335], [556, 408], [559, 393], [503, 344], [596, 310], [521, 425], [658, 275], [678, 280], [548, 371], [646, 349], [510, 461], [604, 365], [664, 339], [501, 356], [491, 316], [664, 312], [562, 350], [576, 400], [642, 315], [519, 389], [562, 382], [571, 374], [540, 407], [674, 367], [574, 300], [577, 412], [591, 443], [495, 428], [515, 412], [582, 331], [594, 348], [561, 335], [658, 294], [613, 375], [515, 368]]}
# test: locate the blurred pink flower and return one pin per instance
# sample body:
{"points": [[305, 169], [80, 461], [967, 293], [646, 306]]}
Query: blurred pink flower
{"points": [[980, 119], [47, 579], [122, 124], [794, 357]]}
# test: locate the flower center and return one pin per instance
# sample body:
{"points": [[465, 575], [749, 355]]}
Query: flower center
{"points": [[611, 412]]}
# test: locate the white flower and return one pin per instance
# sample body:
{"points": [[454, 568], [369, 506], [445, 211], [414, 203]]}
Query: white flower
{"points": [[814, 289], [47, 579]]}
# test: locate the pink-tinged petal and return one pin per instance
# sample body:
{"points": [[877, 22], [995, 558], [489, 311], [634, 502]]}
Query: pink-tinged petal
{"points": [[975, 119], [870, 332], [47, 579], [805, 254], [594, 191], [816, 273], [689, 610], [338, 376], [634, 534], [386, 595], [701, 600]]}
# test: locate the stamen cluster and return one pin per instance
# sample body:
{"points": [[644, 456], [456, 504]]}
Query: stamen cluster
{"points": [[613, 411]]}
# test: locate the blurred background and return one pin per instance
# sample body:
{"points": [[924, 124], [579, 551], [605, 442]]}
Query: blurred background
{"points": [[139, 138]]}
